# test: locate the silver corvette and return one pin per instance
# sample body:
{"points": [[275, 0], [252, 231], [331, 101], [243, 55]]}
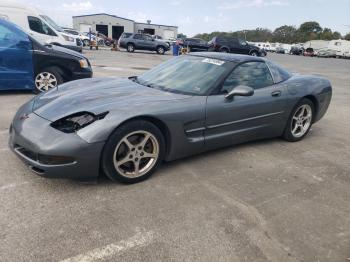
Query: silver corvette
{"points": [[187, 105]]}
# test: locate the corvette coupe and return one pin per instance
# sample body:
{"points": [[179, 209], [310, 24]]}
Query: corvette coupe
{"points": [[184, 106]]}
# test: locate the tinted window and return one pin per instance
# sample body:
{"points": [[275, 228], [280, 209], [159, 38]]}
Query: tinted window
{"points": [[279, 74], [37, 25], [11, 38], [137, 36], [253, 74], [242, 42], [185, 74], [147, 37]]}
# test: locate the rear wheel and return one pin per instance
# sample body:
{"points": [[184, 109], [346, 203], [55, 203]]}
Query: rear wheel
{"points": [[133, 152], [48, 78], [300, 121], [254, 53], [130, 48]]}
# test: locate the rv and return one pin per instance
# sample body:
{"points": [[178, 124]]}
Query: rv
{"points": [[342, 47], [38, 25]]}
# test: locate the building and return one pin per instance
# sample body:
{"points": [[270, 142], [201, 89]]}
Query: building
{"points": [[113, 26]]}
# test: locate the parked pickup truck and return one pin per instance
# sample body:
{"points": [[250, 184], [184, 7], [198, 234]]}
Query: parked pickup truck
{"points": [[134, 42]]}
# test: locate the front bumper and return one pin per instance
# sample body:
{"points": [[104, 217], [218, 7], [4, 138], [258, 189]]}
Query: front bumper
{"points": [[85, 73], [32, 136]]}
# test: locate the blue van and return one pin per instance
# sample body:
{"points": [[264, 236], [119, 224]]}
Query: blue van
{"points": [[26, 64]]}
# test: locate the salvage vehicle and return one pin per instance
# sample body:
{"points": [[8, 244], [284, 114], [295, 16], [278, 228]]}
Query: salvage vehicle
{"points": [[184, 106], [233, 45], [309, 52], [38, 25], [26, 64], [84, 39], [134, 42], [325, 52]]}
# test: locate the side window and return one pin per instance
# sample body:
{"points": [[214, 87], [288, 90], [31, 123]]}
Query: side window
{"points": [[13, 38], [279, 74], [137, 36], [253, 74], [242, 42], [147, 38], [37, 25]]}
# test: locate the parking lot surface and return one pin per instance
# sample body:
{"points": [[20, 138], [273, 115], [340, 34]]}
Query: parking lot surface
{"points": [[262, 201]]}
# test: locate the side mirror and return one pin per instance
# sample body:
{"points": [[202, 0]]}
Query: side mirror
{"points": [[240, 91]]}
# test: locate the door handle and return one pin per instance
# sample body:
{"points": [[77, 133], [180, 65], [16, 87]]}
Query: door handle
{"points": [[276, 93]]}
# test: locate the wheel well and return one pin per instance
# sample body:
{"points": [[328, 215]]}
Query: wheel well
{"points": [[130, 44], [160, 46], [158, 123], [224, 48], [64, 72], [314, 101]]}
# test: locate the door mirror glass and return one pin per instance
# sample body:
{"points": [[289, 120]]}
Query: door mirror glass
{"points": [[240, 91]]}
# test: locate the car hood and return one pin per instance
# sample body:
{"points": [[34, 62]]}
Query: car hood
{"points": [[99, 95], [67, 51]]}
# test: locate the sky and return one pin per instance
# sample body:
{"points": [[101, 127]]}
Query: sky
{"points": [[206, 16]]}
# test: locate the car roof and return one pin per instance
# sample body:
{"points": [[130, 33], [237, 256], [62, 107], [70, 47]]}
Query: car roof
{"points": [[228, 57]]}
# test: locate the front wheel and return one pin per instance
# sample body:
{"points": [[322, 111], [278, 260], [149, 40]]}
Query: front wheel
{"points": [[133, 152], [130, 48], [160, 50], [48, 78], [300, 121]]}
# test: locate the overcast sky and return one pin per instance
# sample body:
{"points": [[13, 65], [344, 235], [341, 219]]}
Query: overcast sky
{"points": [[204, 16]]}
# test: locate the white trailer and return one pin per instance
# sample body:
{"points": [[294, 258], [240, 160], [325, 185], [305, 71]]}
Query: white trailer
{"points": [[342, 47]]}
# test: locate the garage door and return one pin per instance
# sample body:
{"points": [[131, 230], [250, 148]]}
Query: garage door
{"points": [[84, 27], [168, 34]]}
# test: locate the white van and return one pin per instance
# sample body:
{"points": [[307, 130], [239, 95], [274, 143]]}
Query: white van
{"points": [[38, 25], [342, 47]]}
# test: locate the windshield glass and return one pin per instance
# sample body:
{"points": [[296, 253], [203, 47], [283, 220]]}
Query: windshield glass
{"points": [[186, 74], [52, 23]]}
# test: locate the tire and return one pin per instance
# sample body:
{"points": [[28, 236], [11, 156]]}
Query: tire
{"points": [[224, 50], [130, 48], [160, 50], [51, 77], [86, 42], [294, 119], [134, 132], [254, 53]]}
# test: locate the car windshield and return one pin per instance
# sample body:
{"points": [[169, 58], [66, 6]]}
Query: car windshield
{"points": [[52, 23], [187, 75]]}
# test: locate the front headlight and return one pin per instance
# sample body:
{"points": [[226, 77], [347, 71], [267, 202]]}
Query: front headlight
{"points": [[68, 38], [77, 121], [83, 63]]}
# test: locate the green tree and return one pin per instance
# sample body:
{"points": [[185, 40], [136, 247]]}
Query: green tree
{"points": [[326, 34], [336, 35], [347, 37], [309, 31], [181, 35], [284, 34]]}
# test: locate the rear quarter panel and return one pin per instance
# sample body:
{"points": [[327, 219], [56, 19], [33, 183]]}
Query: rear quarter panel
{"points": [[316, 88]]}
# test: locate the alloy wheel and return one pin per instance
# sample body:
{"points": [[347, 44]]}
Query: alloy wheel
{"points": [[136, 154], [45, 81], [301, 121]]}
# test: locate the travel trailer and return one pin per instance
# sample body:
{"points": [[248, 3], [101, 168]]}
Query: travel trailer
{"points": [[342, 47], [38, 25], [316, 44]]}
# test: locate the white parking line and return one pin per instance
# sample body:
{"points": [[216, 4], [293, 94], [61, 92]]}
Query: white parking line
{"points": [[9, 186], [107, 252]]}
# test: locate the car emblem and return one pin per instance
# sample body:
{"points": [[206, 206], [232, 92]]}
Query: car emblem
{"points": [[24, 117]]}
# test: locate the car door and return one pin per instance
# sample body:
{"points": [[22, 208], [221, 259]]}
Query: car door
{"points": [[241, 47], [148, 42], [240, 119], [16, 63]]}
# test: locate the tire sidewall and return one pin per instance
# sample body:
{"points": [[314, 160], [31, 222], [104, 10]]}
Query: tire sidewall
{"points": [[160, 50], [52, 70], [114, 139], [130, 50], [288, 129]]}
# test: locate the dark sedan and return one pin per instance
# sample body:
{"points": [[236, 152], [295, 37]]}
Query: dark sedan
{"points": [[185, 106]]}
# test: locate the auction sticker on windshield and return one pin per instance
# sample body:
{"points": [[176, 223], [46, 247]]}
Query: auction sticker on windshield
{"points": [[213, 61]]}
